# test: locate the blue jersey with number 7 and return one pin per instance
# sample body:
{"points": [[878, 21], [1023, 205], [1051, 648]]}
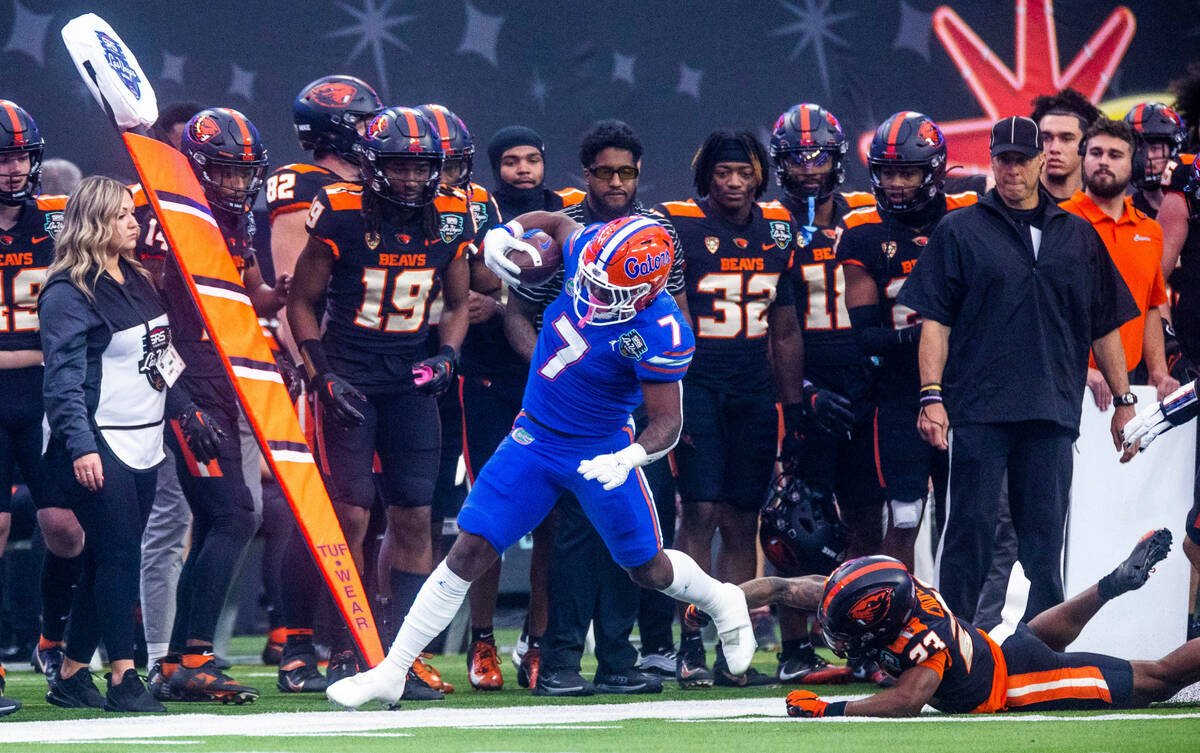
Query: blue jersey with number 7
{"points": [[584, 380]]}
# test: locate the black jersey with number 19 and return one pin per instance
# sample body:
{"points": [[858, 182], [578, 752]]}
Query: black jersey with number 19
{"points": [[381, 287], [734, 275], [26, 250]]}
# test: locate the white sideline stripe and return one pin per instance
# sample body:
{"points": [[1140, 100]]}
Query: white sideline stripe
{"points": [[342, 722], [291, 456], [215, 292], [175, 206], [1073, 682], [261, 375], [939, 718]]}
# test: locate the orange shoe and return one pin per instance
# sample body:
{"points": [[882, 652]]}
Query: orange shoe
{"points": [[483, 667], [273, 652], [431, 676], [530, 664]]}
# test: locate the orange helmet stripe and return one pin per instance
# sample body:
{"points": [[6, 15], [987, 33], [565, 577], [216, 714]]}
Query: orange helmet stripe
{"points": [[411, 117], [1138, 125], [247, 149], [855, 575], [18, 131], [805, 125], [443, 127], [895, 133]]}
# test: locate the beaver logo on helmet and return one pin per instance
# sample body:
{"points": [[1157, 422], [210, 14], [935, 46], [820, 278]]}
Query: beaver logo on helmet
{"points": [[205, 129], [333, 94], [929, 133], [377, 127], [867, 610]]}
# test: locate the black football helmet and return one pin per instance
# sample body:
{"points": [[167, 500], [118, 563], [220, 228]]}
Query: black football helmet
{"points": [[400, 135], [329, 112], [19, 135], [808, 135], [456, 140], [228, 157], [1156, 123], [800, 531], [908, 139], [867, 602]]}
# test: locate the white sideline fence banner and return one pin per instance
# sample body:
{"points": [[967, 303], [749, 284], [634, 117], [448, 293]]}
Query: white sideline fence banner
{"points": [[1112, 506]]}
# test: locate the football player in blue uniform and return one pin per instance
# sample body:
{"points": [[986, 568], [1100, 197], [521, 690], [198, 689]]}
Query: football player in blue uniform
{"points": [[611, 341]]}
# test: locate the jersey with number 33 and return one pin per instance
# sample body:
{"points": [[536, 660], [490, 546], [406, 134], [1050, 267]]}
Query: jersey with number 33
{"points": [[585, 380]]}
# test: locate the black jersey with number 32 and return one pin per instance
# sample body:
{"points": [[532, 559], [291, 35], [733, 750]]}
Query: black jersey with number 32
{"points": [[379, 293], [26, 250], [734, 275]]}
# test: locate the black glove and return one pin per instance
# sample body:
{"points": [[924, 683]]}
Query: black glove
{"points": [[336, 394], [293, 378], [831, 411], [434, 375], [793, 433], [201, 432]]}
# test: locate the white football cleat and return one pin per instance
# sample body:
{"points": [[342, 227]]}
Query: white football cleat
{"points": [[734, 628], [384, 683]]}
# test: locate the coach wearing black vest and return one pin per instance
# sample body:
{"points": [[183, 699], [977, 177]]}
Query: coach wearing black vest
{"points": [[1014, 292]]}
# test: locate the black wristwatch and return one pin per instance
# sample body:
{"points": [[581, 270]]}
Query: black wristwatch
{"points": [[1127, 399]]}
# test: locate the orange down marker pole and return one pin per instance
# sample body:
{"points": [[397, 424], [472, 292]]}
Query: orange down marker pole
{"points": [[228, 315]]}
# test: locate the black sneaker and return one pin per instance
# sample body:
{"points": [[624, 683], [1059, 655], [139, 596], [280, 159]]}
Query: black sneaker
{"points": [[629, 682], [416, 689], [691, 670], [563, 683], [342, 664], [805, 666], [298, 673], [158, 679], [130, 695], [7, 705], [865, 669], [1135, 570], [48, 661], [751, 678], [76, 692], [660, 662]]}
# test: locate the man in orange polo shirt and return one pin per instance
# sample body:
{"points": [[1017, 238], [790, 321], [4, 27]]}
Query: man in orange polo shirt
{"points": [[1134, 242]]}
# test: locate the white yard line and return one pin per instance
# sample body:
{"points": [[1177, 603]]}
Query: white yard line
{"points": [[341, 722]]}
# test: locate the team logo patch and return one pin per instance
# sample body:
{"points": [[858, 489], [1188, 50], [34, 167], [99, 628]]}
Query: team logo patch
{"points": [[520, 436], [868, 609], [54, 223], [741, 242], [6, 240], [335, 94], [631, 345], [114, 55], [781, 233], [829, 233], [929, 134], [712, 243], [479, 213], [205, 129], [921, 240], [154, 344], [452, 227], [377, 127], [889, 248]]}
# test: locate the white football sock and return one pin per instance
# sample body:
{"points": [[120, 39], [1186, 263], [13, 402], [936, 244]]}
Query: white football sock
{"points": [[435, 606], [156, 651], [691, 584]]}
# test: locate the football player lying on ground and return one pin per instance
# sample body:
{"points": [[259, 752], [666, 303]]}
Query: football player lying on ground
{"points": [[874, 606], [611, 341]]}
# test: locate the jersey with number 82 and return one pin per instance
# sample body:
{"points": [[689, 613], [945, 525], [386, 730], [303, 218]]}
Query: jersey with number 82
{"points": [[380, 293], [586, 380]]}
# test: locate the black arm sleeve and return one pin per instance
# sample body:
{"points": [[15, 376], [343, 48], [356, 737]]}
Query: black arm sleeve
{"points": [[66, 316], [875, 339]]}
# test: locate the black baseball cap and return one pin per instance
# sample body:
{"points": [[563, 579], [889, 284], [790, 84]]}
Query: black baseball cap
{"points": [[1016, 134]]}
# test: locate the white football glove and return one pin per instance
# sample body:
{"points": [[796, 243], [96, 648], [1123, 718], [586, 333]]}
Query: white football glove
{"points": [[1177, 408], [497, 242], [612, 469]]}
